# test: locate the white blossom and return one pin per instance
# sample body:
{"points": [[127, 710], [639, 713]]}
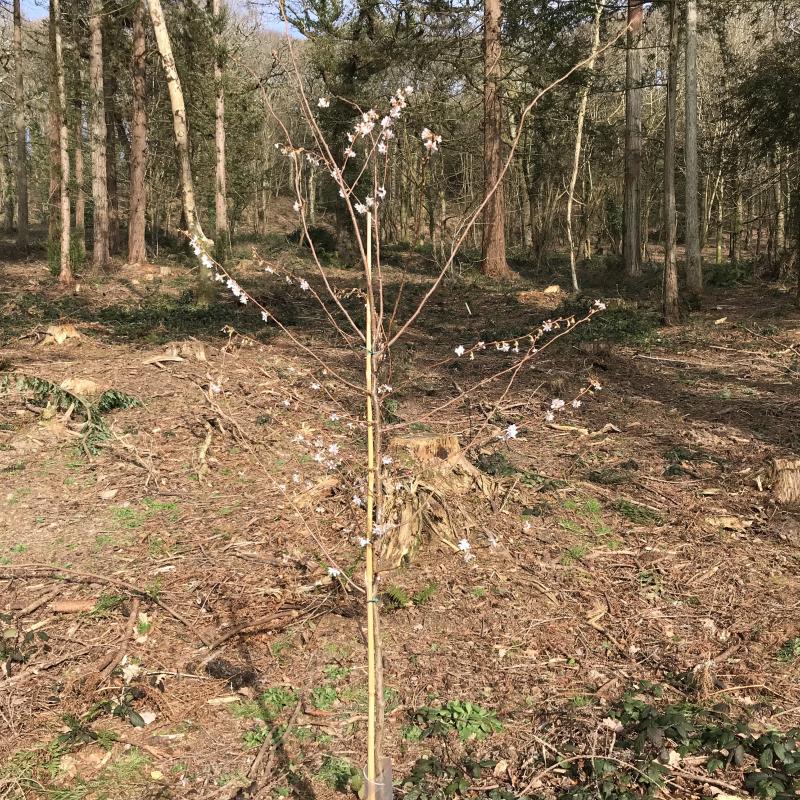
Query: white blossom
{"points": [[315, 386], [381, 192], [556, 404], [333, 417], [464, 545], [600, 305], [323, 102], [549, 416], [304, 285], [576, 403], [265, 316], [360, 208], [296, 205], [349, 152], [459, 351], [387, 460], [511, 432], [357, 501], [333, 449], [214, 388], [333, 572]]}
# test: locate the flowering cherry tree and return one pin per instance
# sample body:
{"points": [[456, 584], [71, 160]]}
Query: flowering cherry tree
{"points": [[359, 168]]}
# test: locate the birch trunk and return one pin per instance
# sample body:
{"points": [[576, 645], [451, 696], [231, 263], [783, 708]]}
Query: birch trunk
{"points": [[21, 132], [671, 311], [632, 237], [494, 236], [65, 276], [694, 267], [181, 140], [97, 137], [576, 163], [137, 251]]}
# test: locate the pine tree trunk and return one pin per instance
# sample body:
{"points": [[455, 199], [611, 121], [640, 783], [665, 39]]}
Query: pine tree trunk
{"points": [[65, 271], [181, 140], [110, 90], [576, 160], [80, 196], [97, 123], [632, 241], [221, 174], [494, 236], [21, 132], [694, 268], [671, 311], [137, 251]]}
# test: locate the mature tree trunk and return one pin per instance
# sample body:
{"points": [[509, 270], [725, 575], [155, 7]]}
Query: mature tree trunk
{"points": [[77, 77], [780, 207], [6, 188], [181, 139], [576, 162], [632, 242], [137, 251], [97, 119], [109, 92], [221, 176], [694, 268], [720, 221], [671, 312], [21, 131], [65, 271], [54, 160], [494, 234]]}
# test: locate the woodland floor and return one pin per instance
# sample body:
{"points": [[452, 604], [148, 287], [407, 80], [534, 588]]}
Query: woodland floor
{"points": [[635, 591]]}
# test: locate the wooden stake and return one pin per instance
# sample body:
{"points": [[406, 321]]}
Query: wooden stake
{"points": [[369, 576]]}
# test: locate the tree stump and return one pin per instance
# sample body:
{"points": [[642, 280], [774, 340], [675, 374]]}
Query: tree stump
{"points": [[785, 478], [427, 501]]}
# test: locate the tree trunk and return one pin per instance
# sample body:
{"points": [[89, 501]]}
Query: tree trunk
{"points": [[221, 175], [80, 197], [720, 221], [494, 235], [632, 243], [54, 159], [671, 311], [110, 91], [137, 251], [576, 163], [181, 140], [21, 132], [780, 213], [694, 268], [97, 121], [65, 272], [6, 189]]}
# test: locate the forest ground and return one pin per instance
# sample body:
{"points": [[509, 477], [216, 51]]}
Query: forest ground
{"points": [[634, 593]]}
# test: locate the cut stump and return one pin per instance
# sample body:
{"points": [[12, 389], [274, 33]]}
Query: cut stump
{"points": [[426, 503], [785, 475]]}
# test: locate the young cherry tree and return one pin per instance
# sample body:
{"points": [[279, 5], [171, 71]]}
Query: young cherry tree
{"points": [[360, 167]]}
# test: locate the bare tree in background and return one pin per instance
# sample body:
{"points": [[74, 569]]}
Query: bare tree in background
{"points": [[632, 242], [65, 276], [181, 137], [694, 268], [494, 227], [576, 163], [21, 131], [222, 233], [671, 311], [97, 117], [137, 253]]}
